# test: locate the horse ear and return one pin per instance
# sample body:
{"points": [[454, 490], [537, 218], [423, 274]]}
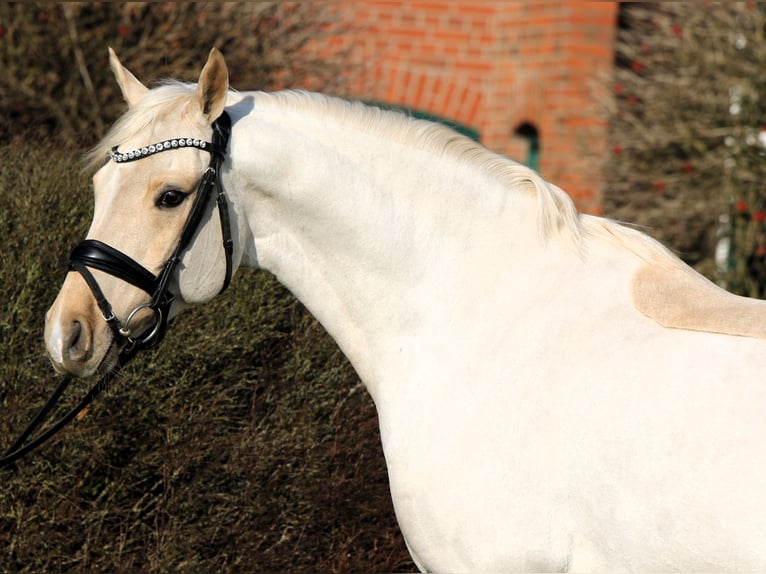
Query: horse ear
{"points": [[213, 85], [132, 89]]}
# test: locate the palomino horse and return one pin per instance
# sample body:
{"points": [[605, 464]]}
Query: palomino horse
{"points": [[556, 392]]}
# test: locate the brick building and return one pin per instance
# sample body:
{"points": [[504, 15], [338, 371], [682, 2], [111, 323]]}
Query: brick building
{"points": [[528, 79]]}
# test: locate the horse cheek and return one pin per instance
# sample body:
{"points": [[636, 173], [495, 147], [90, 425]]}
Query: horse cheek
{"points": [[202, 268]]}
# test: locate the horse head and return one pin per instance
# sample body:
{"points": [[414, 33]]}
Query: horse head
{"points": [[144, 201]]}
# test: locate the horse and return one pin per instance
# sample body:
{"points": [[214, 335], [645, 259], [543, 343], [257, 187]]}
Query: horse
{"points": [[556, 391]]}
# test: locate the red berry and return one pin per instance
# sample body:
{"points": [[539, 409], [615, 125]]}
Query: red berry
{"points": [[741, 206]]}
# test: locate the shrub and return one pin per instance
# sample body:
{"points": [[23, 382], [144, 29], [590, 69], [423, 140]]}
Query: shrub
{"points": [[58, 82], [689, 145]]}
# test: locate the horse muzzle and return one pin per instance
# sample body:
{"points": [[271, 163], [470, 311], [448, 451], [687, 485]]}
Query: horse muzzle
{"points": [[81, 341], [77, 339]]}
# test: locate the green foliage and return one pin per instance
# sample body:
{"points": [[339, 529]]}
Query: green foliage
{"points": [[243, 444], [688, 157]]}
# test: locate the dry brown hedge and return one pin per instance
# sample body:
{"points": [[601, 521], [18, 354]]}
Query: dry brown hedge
{"points": [[688, 159], [56, 77]]}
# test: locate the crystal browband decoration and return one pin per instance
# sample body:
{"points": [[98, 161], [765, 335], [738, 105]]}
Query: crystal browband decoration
{"points": [[121, 157]]}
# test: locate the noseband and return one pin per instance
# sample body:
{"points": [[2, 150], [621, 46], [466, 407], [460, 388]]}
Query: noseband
{"points": [[93, 254]]}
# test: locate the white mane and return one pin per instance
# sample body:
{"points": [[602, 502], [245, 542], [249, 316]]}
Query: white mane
{"points": [[556, 212]]}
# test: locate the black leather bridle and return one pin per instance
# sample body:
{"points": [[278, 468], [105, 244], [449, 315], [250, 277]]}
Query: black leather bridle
{"points": [[94, 254]]}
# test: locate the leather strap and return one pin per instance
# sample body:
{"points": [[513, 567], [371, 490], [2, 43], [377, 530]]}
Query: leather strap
{"points": [[99, 255]]}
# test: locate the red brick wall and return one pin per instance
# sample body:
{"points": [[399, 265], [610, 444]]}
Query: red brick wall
{"points": [[493, 66]]}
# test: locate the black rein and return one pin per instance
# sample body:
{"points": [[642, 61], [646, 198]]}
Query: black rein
{"points": [[94, 254]]}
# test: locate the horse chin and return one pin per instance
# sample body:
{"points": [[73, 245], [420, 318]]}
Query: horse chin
{"points": [[110, 359]]}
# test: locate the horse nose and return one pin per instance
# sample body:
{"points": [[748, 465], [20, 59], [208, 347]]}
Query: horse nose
{"points": [[70, 345], [77, 344]]}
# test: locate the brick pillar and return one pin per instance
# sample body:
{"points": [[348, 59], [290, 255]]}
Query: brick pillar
{"points": [[495, 66]]}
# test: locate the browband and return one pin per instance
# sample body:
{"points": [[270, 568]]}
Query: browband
{"points": [[146, 151]]}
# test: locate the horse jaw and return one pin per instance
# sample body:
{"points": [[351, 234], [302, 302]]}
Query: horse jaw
{"points": [[203, 266]]}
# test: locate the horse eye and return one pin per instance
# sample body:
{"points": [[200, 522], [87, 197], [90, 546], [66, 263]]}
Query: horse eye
{"points": [[171, 198]]}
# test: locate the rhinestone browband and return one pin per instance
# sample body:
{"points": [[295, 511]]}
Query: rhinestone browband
{"points": [[119, 157]]}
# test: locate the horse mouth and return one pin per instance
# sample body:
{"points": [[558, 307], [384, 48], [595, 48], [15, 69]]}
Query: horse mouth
{"points": [[87, 367], [111, 358]]}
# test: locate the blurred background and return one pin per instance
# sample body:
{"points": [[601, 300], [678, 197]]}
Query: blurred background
{"points": [[246, 443]]}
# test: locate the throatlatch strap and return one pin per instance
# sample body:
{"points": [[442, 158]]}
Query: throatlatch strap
{"points": [[228, 242]]}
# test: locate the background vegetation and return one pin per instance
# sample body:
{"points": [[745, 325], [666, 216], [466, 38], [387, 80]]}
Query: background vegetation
{"points": [[689, 134], [245, 443], [58, 80]]}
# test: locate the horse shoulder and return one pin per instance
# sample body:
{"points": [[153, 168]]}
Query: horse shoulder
{"points": [[679, 297]]}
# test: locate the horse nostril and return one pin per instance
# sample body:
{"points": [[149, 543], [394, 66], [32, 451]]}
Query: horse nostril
{"points": [[74, 334], [78, 343]]}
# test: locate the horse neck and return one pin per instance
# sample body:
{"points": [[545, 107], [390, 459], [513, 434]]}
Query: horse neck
{"points": [[370, 233]]}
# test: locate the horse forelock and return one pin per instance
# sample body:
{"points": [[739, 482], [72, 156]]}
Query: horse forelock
{"points": [[152, 109]]}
